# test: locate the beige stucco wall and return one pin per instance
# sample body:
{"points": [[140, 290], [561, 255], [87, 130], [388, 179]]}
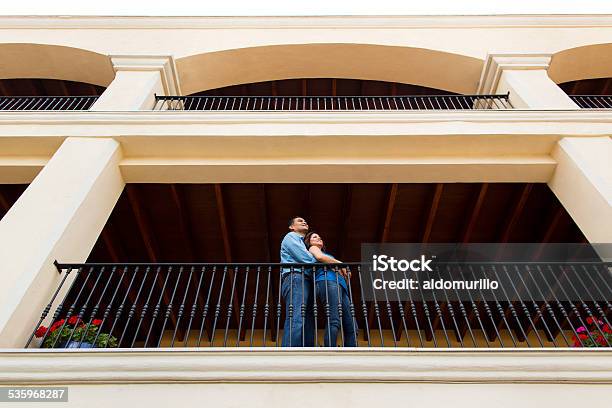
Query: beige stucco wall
{"points": [[337, 395]]}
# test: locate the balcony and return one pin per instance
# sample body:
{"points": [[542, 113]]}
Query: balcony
{"points": [[333, 103], [240, 305], [33, 94]]}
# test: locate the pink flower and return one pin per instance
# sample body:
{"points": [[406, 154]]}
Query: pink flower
{"points": [[581, 329]]}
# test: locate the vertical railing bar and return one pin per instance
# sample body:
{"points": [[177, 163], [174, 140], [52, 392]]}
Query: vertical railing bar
{"points": [[206, 306], [489, 313], [352, 305], [230, 306], [145, 307], [157, 306], [414, 313], [499, 309], [364, 307], [401, 310], [267, 306], [47, 308], [170, 305], [194, 306], [242, 305], [339, 305], [390, 315], [218, 307], [279, 306], [327, 310], [181, 310], [315, 310], [303, 305], [254, 312]]}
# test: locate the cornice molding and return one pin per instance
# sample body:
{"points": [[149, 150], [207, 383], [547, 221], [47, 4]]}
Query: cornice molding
{"points": [[164, 64], [301, 22], [192, 365], [496, 64]]}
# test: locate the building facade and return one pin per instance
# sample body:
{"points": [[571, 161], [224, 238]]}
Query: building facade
{"points": [[173, 142]]}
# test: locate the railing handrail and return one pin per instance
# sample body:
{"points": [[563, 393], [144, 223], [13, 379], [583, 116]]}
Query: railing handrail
{"points": [[169, 97]]}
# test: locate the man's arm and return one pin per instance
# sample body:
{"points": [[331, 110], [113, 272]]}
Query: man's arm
{"points": [[295, 247]]}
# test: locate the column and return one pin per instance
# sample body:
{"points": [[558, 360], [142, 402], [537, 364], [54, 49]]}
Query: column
{"points": [[526, 78], [583, 183], [58, 217], [137, 80]]}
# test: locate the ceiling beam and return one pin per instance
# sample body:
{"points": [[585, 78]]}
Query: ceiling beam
{"points": [[433, 209], [184, 222], [516, 212], [384, 236], [471, 221], [344, 216], [147, 238], [4, 204], [227, 249]]}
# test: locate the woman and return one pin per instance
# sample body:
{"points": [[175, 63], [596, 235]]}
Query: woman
{"points": [[332, 290]]}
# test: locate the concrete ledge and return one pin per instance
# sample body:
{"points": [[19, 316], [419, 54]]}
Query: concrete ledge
{"points": [[192, 365]]}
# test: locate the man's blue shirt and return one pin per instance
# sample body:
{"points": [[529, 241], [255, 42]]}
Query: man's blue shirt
{"points": [[293, 250]]}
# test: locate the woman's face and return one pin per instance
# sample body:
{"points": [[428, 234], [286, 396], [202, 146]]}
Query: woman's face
{"points": [[316, 240]]}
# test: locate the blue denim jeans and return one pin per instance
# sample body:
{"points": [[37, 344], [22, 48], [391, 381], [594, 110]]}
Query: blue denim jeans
{"points": [[297, 290], [331, 294]]}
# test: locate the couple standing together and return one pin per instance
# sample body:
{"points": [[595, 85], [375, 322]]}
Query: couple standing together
{"points": [[300, 286]]}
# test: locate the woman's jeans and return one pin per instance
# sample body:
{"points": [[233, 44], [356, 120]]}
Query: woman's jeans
{"points": [[329, 293]]}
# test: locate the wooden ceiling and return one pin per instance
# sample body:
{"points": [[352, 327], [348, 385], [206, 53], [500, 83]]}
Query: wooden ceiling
{"points": [[323, 87], [246, 222], [47, 87], [597, 86]]}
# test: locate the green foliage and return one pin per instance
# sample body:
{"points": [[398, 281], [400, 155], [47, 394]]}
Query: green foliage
{"points": [[104, 340]]}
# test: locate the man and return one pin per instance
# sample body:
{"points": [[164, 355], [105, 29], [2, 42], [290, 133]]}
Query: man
{"points": [[297, 287]]}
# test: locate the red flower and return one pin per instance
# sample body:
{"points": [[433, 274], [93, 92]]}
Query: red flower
{"points": [[583, 336], [606, 328], [96, 322], [56, 325], [602, 341], [589, 320], [41, 331], [72, 320]]}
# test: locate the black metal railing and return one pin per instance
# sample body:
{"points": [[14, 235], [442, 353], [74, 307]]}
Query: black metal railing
{"points": [[593, 101], [247, 305], [44, 103], [332, 103]]}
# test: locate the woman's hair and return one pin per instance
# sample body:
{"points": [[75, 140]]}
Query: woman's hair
{"points": [[307, 239]]}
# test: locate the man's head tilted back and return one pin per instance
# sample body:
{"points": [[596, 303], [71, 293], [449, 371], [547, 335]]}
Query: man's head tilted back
{"points": [[299, 225]]}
